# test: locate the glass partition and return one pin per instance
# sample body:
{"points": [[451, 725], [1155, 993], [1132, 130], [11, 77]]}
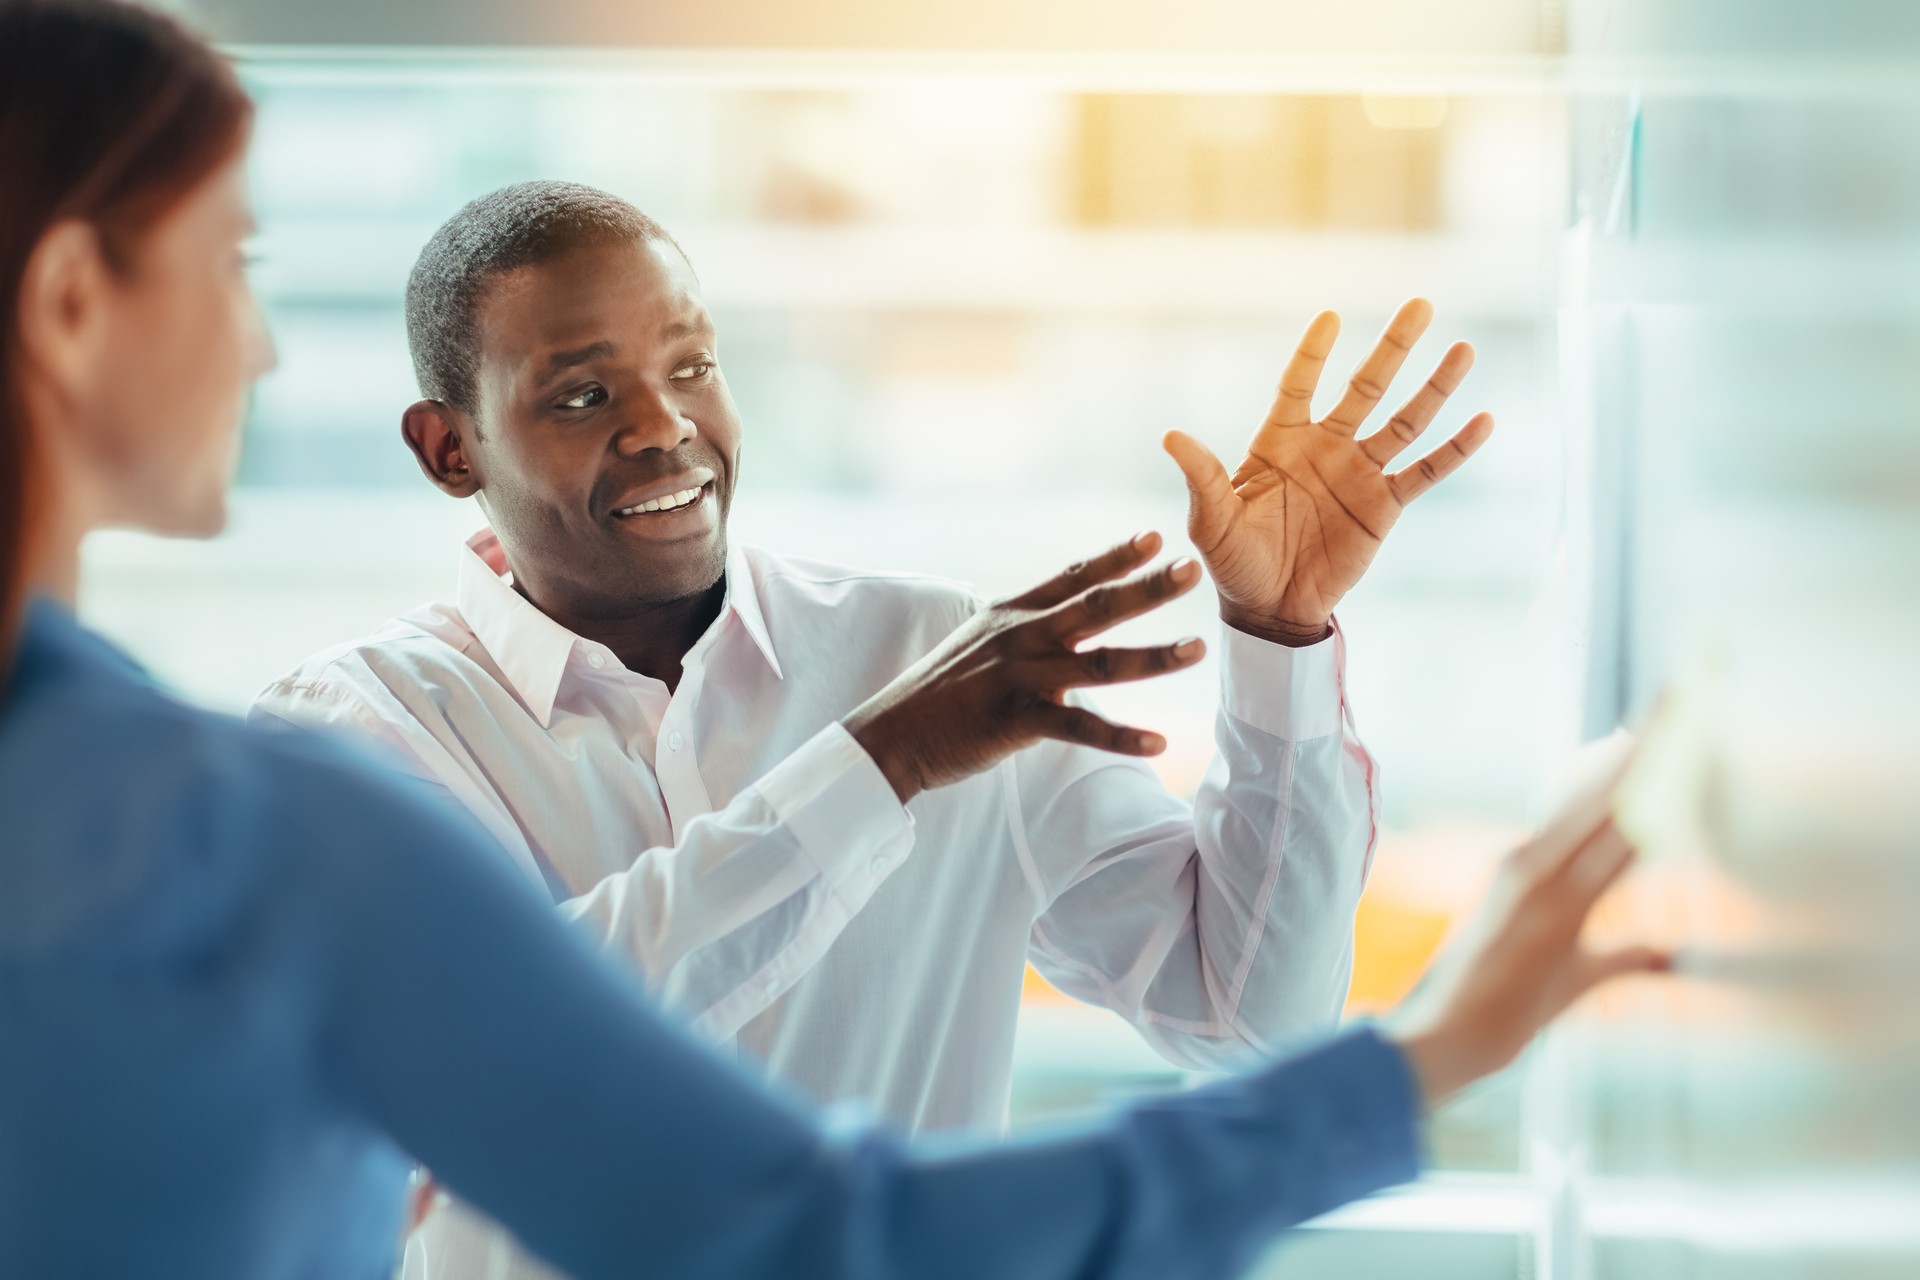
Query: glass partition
{"points": [[1743, 309]]}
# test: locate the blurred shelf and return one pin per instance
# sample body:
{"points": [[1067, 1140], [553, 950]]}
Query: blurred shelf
{"points": [[1177, 272], [1185, 272], [1816, 274], [1471, 1203], [1182, 272], [1855, 1214], [1810, 1215], [1879, 73]]}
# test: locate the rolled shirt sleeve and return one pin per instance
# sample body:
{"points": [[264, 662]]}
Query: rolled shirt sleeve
{"points": [[727, 920], [1228, 926]]}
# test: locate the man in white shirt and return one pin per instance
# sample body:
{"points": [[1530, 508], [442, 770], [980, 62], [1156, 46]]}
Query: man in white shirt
{"points": [[649, 717]]}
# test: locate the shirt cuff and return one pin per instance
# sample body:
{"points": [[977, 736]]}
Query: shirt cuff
{"points": [[1367, 1109], [843, 813], [1293, 694]]}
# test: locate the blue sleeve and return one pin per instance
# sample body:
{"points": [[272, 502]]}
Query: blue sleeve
{"points": [[536, 1081]]}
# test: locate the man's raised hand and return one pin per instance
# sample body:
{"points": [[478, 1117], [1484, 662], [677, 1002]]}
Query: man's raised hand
{"points": [[1000, 681], [1293, 528]]}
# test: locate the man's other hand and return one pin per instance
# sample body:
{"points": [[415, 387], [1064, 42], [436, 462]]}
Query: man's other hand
{"points": [[1518, 960], [999, 683], [1290, 532]]}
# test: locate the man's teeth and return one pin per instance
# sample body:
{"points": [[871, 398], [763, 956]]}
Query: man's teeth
{"points": [[668, 503]]}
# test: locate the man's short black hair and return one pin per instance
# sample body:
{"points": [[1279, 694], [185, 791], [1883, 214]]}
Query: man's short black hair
{"points": [[516, 226]]}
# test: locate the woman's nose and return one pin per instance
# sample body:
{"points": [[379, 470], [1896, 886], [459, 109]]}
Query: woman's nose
{"points": [[266, 354]]}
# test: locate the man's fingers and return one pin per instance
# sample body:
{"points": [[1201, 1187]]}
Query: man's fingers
{"points": [[1442, 462], [1293, 404], [1418, 412], [1210, 495], [1080, 726], [1114, 602], [1118, 666], [1076, 578], [1376, 372]]}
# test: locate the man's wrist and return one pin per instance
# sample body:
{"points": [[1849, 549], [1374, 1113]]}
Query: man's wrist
{"points": [[871, 730], [1281, 631]]}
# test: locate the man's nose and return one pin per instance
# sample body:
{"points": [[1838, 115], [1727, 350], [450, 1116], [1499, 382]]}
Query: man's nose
{"points": [[653, 422]]}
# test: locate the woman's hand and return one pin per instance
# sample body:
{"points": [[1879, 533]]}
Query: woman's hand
{"points": [[1518, 962]]}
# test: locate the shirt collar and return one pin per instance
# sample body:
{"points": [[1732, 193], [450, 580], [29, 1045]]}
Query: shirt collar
{"points": [[532, 650], [743, 598]]}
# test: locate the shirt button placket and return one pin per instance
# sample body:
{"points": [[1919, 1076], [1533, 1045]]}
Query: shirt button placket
{"points": [[677, 766]]}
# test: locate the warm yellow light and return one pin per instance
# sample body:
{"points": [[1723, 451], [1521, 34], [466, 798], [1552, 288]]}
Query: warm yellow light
{"points": [[1402, 111]]}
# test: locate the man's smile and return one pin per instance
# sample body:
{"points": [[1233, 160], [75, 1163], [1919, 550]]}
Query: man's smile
{"points": [[676, 506], [672, 502]]}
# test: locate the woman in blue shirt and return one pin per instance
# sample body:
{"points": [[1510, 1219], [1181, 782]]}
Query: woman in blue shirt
{"points": [[224, 1027]]}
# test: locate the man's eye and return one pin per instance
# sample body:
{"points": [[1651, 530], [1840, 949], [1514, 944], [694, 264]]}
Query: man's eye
{"points": [[692, 371], [588, 398]]}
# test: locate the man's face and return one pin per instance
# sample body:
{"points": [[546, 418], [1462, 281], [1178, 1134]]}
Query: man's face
{"points": [[599, 396]]}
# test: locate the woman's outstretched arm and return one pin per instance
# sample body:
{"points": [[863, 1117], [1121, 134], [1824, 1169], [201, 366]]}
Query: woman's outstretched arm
{"points": [[538, 1083]]}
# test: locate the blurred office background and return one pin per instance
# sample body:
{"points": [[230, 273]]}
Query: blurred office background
{"points": [[968, 263]]}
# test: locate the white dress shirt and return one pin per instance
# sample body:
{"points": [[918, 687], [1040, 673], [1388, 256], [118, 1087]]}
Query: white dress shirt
{"points": [[736, 845]]}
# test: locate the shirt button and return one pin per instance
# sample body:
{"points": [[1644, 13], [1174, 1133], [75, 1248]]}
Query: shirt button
{"points": [[675, 741], [880, 863], [771, 987], [595, 660]]}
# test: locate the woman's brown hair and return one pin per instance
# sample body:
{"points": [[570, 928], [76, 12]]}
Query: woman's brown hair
{"points": [[111, 114]]}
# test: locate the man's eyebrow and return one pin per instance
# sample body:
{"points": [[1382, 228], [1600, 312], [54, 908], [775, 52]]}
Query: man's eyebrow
{"points": [[560, 361], [685, 329]]}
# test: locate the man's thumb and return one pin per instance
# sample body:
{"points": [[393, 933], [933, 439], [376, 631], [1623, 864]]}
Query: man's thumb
{"points": [[1207, 484]]}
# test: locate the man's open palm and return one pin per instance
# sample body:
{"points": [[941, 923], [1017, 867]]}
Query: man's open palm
{"points": [[1290, 532]]}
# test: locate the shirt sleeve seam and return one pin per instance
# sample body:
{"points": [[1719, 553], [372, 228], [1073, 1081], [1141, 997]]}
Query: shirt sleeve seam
{"points": [[1257, 930], [1017, 832], [1109, 995], [327, 691], [835, 873], [1213, 1029]]}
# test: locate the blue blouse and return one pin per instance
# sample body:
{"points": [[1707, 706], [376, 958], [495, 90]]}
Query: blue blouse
{"points": [[225, 1029]]}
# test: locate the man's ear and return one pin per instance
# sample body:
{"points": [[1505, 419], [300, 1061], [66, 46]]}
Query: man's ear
{"points": [[435, 431]]}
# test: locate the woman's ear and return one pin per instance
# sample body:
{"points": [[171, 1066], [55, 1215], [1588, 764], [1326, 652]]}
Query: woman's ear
{"points": [[437, 433], [63, 302]]}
